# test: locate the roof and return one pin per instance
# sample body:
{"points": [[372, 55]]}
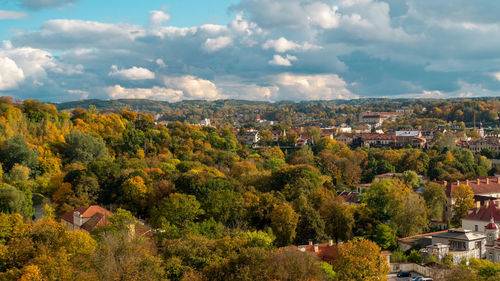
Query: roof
{"points": [[482, 185], [388, 175], [460, 234], [407, 133], [485, 213], [372, 136], [410, 240], [348, 197], [325, 251], [95, 214]]}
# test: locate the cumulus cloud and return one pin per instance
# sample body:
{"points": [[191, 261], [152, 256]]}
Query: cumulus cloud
{"points": [[12, 15], [283, 45], [10, 74], [41, 4], [312, 87], [193, 87], [155, 93], [157, 18], [282, 61], [215, 44], [272, 50], [134, 73]]}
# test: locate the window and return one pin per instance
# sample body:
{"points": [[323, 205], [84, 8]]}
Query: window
{"points": [[476, 228]]}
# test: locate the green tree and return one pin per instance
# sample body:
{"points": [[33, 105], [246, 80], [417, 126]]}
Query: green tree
{"points": [[17, 151], [13, 200], [435, 198], [385, 236], [84, 148], [338, 217], [178, 209]]}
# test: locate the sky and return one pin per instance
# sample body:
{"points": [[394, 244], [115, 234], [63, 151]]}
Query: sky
{"points": [[64, 50]]}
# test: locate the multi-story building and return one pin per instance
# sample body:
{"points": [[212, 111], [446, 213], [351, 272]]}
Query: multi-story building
{"points": [[476, 146]]}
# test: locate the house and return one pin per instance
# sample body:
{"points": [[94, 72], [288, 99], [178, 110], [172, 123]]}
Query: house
{"points": [[409, 138], [344, 139], [250, 137], [492, 242], [303, 140], [86, 218], [350, 198], [278, 134], [459, 243], [482, 186], [476, 146], [325, 252], [377, 118], [376, 140], [480, 217]]}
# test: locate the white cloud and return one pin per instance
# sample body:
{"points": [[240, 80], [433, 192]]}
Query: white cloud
{"points": [[283, 45], [282, 61], [216, 44], [10, 74], [312, 87], [12, 15], [323, 15], [155, 93], [134, 73], [157, 18], [193, 87]]}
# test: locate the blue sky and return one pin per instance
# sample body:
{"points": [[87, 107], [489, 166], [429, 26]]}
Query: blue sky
{"points": [[60, 50]]}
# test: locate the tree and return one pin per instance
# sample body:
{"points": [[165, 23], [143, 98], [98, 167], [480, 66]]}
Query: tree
{"points": [[409, 215], [416, 257], [84, 148], [13, 200], [178, 209], [338, 217], [291, 264], [360, 259], [17, 151], [464, 200], [435, 198], [284, 222], [135, 193], [385, 236]]}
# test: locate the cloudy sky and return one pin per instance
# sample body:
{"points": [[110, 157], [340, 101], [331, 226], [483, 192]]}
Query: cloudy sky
{"points": [[61, 50]]}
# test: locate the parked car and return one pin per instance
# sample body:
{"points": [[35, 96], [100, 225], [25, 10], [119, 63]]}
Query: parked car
{"points": [[416, 278], [404, 274]]}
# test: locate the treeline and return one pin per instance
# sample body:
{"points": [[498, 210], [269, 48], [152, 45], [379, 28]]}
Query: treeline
{"points": [[219, 208]]}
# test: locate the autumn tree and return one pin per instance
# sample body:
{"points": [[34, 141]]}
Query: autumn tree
{"points": [[360, 259], [464, 200], [284, 222], [17, 151]]}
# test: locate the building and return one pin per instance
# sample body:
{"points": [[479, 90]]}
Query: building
{"points": [[350, 198], [409, 138], [479, 218], [492, 242], [86, 218], [344, 139], [476, 146], [459, 243], [250, 137], [278, 135], [482, 187], [376, 140], [325, 252], [377, 118]]}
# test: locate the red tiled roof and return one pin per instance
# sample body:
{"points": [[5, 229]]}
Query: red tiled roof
{"points": [[485, 213], [486, 185], [95, 214], [325, 252]]}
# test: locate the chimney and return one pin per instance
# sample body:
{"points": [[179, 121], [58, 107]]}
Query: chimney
{"points": [[77, 219], [316, 247], [478, 181], [487, 180], [330, 242], [302, 248], [458, 182], [467, 182], [478, 204], [310, 242]]}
